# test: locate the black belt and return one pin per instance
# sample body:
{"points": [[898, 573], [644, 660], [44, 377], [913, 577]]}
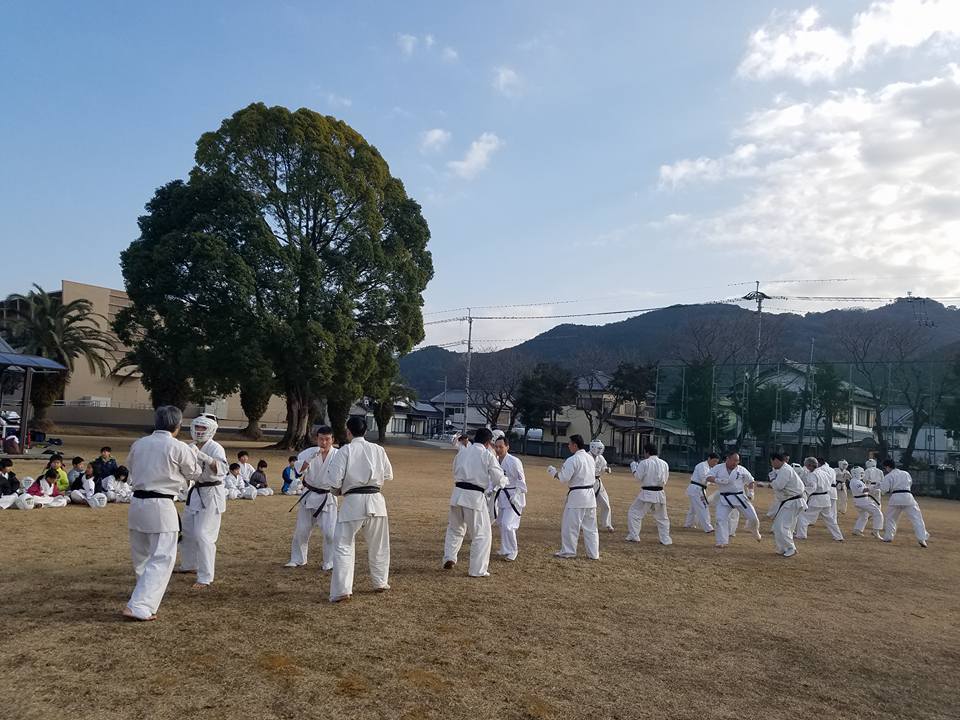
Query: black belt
{"points": [[894, 492], [824, 492], [363, 490], [652, 488], [833, 485], [318, 491], [597, 486], [700, 485], [784, 502], [726, 496], [860, 497], [200, 485], [471, 486], [149, 494], [579, 487], [505, 491]]}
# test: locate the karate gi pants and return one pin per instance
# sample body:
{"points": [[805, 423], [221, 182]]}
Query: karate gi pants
{"points": [[509, 524], [698, 515], [604, 512], [638, 510], [154, 555], [475, 523], [912, 512], [198, 551], [723, 526], [248, 493], [265, 491], [57, 501], [574, 521], [306, 522], [868, 511], [17, 502], [376, 531], [810, 515], [783, 525], [98, 500], [842, 500]]}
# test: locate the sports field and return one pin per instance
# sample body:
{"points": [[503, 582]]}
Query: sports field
{"points": [[844, 630]]}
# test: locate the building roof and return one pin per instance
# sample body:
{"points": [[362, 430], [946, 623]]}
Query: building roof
{"points": [[451, 397], [594, 381]]}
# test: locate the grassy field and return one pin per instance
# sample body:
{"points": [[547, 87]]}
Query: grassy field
{"points": [[844, 630]]}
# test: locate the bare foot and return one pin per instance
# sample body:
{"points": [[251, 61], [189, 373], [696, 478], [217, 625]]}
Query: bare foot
{"points": [[128, 613], [200, 586]]}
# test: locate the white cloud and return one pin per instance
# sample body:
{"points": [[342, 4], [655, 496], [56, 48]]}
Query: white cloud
{"points": [[407, 44], [429, 41], [477, 157], [434, 140], [449, 54], [797, 45], [507, 82], [338, 101], [854, 182]]}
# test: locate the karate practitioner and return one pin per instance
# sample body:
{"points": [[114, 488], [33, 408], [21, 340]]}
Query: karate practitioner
{"points": [[579, 474], [653, 474], [259, 479], [867, 506], [317, 506], [46, 491], [604, 512], [510, 500], [88, 493], [873, 477], [699, 513], [788, 492], [359, 470], [245, 491], [233, 482], [11, 494], [843, 481], [206, 503], [476, 475], [160, 465], [832, 489], [730, 478], [896, 485], [291, 478], [116, 487], [817, 484]]}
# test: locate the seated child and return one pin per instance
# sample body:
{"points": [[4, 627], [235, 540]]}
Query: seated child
{"points": [[11, 494], [76, 471], [46, 490], [259, 479], [290, 477], [63, 482], [117, 486], [88, 493]]}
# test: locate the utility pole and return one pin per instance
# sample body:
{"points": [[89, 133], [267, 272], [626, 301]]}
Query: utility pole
{"points": [[466, 399], [443, 424], [806, 399], [759, 297]]}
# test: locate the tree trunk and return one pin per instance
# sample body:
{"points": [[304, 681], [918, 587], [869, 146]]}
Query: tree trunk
{"points": [[884, 448], [382, 413], [254, 400], [339, 411], [298, 416], [45, 390], [906, 458]]}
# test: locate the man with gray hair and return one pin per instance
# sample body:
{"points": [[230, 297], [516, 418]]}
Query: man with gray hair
{"points": [[160, 466], [817, 483]]}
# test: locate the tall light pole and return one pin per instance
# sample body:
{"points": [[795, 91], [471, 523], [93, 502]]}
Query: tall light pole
{"points": [[466, 399]]}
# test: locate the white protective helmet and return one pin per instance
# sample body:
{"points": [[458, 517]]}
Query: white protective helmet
{"points": [[497, 434], [871, 463], [843, 464], [203, 428], [596, 448]]}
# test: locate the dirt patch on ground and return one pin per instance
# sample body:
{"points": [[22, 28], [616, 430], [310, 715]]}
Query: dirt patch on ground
{"points": [[851, 630]]}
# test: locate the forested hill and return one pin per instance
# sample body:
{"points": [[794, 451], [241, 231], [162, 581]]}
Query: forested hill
{"points": [[677, 332]]}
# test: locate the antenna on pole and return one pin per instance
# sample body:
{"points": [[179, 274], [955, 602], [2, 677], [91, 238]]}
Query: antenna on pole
{"points": [[758, 296]]}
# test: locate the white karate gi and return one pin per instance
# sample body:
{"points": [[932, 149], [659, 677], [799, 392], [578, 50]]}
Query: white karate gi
{"points": [[15, 500], [698, 515], [317, 508], [246, 491], [896, 486], [732, 497], [476, 474], [653, 474], [831, 473], [232, 485], [867, 506], [48, 499], [817, 484], [360, 464], [580, 511], [604, 511], [843, 481], [510, 502], [158, 463], [788, 491], [873, 477], [88, 495], [201, 518]]}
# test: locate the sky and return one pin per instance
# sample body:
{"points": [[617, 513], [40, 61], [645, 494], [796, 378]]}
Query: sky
{"points": [[569, 157]]}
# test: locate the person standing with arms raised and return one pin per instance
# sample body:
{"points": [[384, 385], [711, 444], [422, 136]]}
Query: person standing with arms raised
{"points": [[358, 470], [160, 467]]}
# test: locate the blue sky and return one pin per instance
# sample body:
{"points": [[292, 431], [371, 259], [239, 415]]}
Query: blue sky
{"points": [[622, 154]]}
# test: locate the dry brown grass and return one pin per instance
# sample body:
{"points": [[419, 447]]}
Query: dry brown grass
{"points": [[852, 630]]}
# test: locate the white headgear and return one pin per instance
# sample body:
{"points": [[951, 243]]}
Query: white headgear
{"points": [[497, 434], [871, 463], [843, 464], [596, 447], [203, 428]]}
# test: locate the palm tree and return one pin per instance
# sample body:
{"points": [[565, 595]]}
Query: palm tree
{"points": [[43, 325]]}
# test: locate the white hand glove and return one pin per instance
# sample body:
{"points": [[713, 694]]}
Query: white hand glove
{"points": [[634, 465], [552, 470], [609, 470]]}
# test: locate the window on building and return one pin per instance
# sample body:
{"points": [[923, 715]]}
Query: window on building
{"points": [[864, 417], [397, 426]]}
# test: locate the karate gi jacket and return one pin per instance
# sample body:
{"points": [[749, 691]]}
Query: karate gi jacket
{"points": [[896, 484], [652, 472], [477, 466], [358, 464], [579, 471]]}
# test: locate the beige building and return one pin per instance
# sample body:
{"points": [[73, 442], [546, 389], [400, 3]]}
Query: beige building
{"points": [[89, 390]]}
